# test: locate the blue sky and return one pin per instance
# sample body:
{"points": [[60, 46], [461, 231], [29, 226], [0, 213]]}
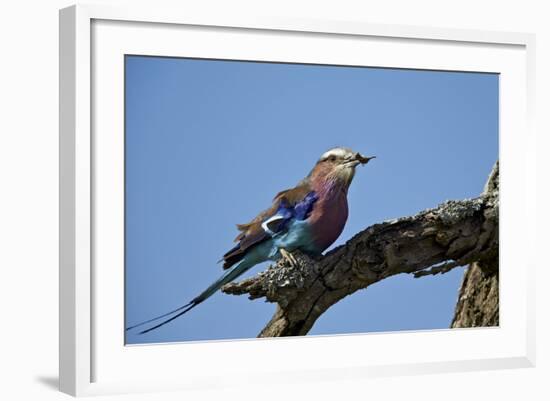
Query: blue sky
{"points": [[209, 143]]}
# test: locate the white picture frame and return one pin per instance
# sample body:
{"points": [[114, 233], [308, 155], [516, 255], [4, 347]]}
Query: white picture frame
{"points": [[93, 360]]}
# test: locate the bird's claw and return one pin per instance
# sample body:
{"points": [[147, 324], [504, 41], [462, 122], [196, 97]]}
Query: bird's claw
{"points": [[289, 257]]}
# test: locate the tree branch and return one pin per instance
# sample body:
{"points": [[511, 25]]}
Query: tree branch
{"points": [[455, 233], [478, 298]]}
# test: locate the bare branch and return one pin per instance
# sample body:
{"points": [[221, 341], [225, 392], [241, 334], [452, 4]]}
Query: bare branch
{"points": [[478, 298], [433, 241], [437, 269]]}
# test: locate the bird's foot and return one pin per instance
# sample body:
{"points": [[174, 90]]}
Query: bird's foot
{"points": [[288, 257]]}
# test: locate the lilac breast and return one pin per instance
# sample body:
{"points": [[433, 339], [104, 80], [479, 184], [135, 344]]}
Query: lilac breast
{"points": [[328, 217]]}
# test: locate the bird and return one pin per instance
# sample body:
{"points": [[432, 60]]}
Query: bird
{"points": [[309, 218]]}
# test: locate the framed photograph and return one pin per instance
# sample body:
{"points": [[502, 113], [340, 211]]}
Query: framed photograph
{"points": [[381, 180]]}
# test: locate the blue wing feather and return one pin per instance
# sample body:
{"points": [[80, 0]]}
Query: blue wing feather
{"points": [[287, 212], [272, 224]]}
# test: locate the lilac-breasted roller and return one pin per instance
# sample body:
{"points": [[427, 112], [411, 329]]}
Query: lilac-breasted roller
{"points": [[308, 217]]}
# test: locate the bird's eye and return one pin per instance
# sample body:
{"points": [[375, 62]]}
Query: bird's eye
{"points": [[332, 158]]}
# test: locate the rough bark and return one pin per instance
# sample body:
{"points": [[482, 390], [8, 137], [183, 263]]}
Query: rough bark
{"points": [[478, 299], [434, 241]]}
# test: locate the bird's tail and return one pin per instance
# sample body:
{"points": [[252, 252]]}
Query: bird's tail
{"points": [[228, 276]]}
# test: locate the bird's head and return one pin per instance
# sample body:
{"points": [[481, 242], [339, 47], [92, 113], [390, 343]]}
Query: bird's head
{"points": [[338, 164]]}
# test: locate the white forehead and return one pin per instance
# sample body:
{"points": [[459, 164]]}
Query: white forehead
{"points": [[337, 152]]}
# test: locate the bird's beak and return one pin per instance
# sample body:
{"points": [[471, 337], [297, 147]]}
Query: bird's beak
{"points": [[357, 159], [363, 159]]}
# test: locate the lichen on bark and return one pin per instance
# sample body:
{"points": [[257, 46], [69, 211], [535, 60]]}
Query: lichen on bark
{"points": [[478, 299]]}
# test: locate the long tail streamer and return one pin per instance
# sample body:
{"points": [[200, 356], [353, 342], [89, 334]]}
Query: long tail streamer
{"points": [[228, 276]]}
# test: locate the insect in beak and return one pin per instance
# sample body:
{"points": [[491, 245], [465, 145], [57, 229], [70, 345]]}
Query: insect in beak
{"points": [[363, 159]]}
